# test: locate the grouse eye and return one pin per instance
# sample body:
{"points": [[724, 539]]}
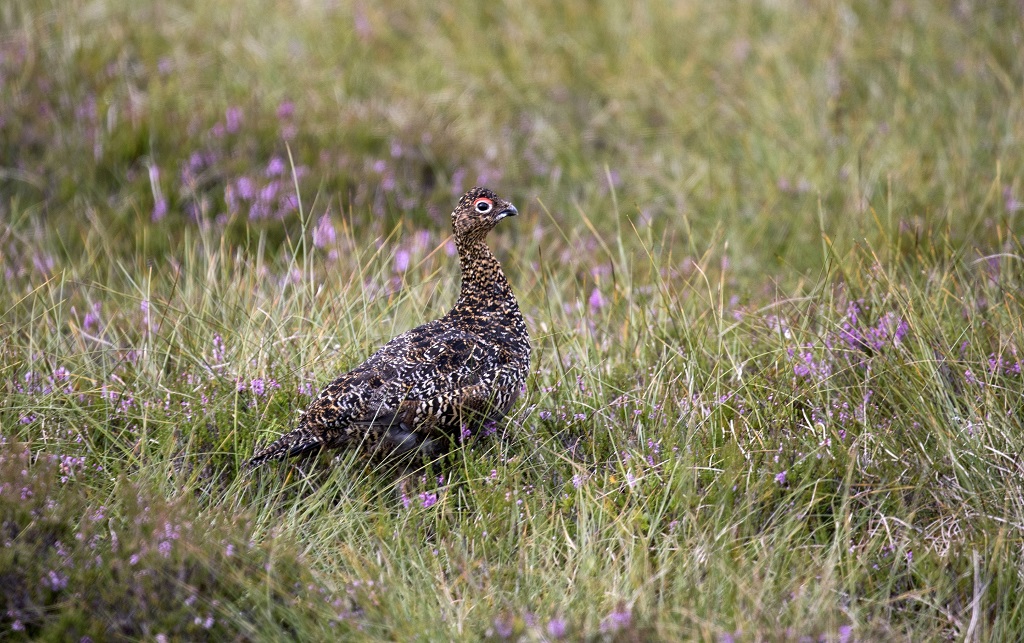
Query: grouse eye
{"points": [[483, 206]]}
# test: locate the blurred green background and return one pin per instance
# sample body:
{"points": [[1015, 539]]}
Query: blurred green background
{"points": [[764, 124]]}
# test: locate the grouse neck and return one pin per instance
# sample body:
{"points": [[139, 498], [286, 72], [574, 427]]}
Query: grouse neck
{"points": [[482, 277]]}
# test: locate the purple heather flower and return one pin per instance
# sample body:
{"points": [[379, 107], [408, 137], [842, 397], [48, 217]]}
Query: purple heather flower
{"points": [[401, 261], [275, 167], [246, 188], [159, 209], [55, 580], [289, 204], [780, 477], [269, 192], [1011, 202], [617, 620], [901, 331], [232, 119], [92, 318], [323, 233], [503, 627], [428, 499], [971, 378], [845, 633], [165, 548], [285, 110], [258, 387], [218, 349], [596, 300]]}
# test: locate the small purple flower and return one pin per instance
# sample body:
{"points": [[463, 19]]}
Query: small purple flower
{"points": [[232, 119], [159, 209], [289, 204], [503, 627], [92, 318], [596, 301], [901, 331], [617, 620], [285, 110], [55, 581], [258, 387], [401, 261], [780, 477], [275, 167], [324, 234], [428, 499], [246, 188], [229, 551], [557, 628], [269, 192], [164, 548], [845, 633], [1011, 202]]}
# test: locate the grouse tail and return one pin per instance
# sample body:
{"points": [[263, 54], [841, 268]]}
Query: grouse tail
{"points": [[294, 443]]}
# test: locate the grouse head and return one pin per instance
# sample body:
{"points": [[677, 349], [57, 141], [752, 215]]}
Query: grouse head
{"points": [[477, 212]]}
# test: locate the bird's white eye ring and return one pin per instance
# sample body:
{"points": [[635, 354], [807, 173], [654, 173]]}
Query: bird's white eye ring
{"points": [[483, 206]]}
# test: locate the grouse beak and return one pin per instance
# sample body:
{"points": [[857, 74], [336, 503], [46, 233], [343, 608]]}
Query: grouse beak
{"points": [[509, 211]]}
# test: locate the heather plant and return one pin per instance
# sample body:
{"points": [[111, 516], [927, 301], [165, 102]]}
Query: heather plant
{"points": [[140, 566], [769, 255]]}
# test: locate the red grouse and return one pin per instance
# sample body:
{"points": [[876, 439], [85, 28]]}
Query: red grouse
{"points": [[420, 391]]}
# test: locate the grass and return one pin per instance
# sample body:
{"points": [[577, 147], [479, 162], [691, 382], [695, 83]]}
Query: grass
{"points": [[769, 255]]}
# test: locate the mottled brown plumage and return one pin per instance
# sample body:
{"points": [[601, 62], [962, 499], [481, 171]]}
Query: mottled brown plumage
{"points": [[423, 388]]}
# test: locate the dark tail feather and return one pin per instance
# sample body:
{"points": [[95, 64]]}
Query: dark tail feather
{"points": [[297, 442]]}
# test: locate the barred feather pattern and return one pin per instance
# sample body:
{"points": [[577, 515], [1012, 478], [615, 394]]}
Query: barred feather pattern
{"points": [[418, 393]]}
